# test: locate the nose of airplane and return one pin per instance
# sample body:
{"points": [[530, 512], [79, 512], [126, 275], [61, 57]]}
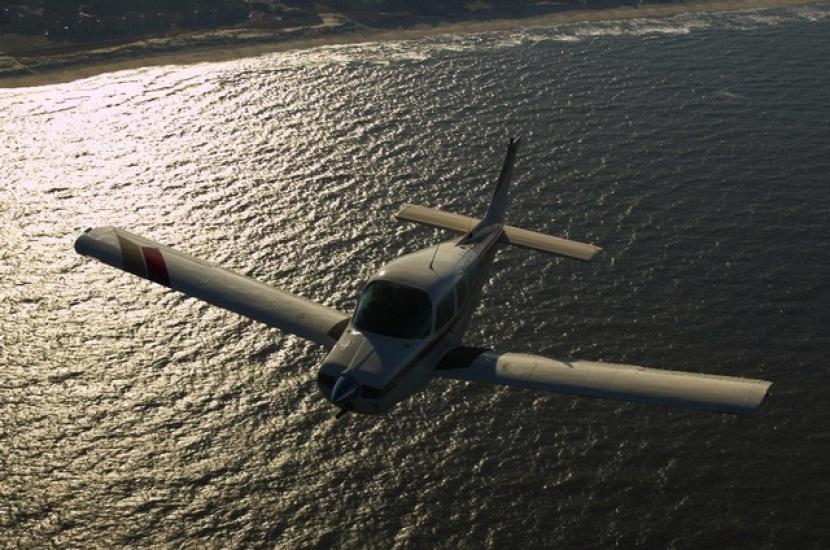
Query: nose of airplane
{"points": [[344, 389]]}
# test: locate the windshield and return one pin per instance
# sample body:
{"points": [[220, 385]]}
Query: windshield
{"points": [[394, 310]]}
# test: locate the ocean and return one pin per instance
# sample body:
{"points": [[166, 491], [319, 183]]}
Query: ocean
{"points": [[694, 149]]}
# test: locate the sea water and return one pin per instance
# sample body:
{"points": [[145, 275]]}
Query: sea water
{"points": [[694, 149]]}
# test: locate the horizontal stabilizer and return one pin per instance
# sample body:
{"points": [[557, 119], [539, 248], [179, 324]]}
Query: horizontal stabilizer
{"points": [[624, 382], [552, 245], [512, 235], [436, 218], [212, 284]]}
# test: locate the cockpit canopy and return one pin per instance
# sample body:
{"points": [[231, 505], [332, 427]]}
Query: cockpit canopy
{"points": [[395, 310]]}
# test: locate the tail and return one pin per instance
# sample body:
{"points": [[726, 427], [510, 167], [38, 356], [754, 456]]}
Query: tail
{"points": [[475, 231], [498, 204]]}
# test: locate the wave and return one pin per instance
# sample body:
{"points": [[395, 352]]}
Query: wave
{"points": [[421, 49]]}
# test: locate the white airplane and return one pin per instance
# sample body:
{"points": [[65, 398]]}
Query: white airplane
{"points": [[410, 319]]}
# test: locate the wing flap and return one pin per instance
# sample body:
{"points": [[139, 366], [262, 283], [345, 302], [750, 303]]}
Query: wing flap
{"points": [[217, 286], [624, 382]]}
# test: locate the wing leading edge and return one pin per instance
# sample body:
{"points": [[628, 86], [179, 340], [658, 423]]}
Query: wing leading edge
{"points": [[212, 284], [624, 382]]}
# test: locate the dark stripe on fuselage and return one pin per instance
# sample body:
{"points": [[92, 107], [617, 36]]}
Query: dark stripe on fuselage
{"points": [[156, 269], [459, 358], [337, 330], [131, 254]]}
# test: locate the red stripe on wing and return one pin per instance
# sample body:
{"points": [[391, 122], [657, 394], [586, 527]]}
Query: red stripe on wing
{"points": [[156, 268]]}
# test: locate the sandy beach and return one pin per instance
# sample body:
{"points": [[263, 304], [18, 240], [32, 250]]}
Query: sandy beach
{"points": [[54, 66]]}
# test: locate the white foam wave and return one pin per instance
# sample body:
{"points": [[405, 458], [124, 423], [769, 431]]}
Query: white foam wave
{"points": [[417, 50], [812, 13]]}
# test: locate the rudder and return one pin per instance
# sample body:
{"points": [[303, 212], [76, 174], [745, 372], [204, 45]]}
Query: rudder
{"points": [[498, 204]]}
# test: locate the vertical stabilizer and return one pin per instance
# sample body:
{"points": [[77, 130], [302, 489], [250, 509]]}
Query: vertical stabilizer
{"points": [[495, 212]]}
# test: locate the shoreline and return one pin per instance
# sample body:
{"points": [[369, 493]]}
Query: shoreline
{"points": [[152, 52]]}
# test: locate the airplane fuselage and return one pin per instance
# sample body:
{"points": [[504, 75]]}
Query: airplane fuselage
{"points": [[408, 316]]}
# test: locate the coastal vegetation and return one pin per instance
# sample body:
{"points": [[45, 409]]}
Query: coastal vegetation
{"points": [[96, 20]]}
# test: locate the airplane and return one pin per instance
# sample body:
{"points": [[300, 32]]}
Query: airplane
{"points": [[409, 322]]}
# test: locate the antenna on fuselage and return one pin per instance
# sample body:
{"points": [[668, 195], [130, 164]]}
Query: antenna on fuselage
{"points": [[434, 254]]}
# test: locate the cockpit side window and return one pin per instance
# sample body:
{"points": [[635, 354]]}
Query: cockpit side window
{"points": [[391, 309], [446, 309]]}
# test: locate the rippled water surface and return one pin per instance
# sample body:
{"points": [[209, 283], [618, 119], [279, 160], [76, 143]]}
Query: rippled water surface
{"points": [[694, 149]]}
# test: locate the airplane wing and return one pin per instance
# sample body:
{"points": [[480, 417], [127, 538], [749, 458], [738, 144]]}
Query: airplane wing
{"points": [[625, 382], [214, 285]]}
